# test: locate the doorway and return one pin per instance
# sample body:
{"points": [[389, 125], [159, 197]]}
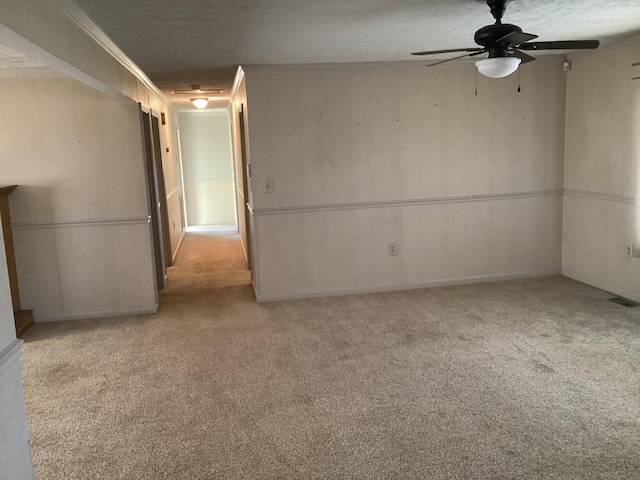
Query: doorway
{"points": [[246, 175], [157, 196], [207, 165]]}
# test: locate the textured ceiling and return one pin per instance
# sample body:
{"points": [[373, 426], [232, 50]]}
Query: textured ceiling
{"points": [[180, 42]]}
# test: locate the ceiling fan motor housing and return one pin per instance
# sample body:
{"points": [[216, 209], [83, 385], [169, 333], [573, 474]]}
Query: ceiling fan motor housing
{"points": [[489, 35]]}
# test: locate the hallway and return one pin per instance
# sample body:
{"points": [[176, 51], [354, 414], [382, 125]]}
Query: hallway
{"points": [[524, 379], [209, 258]]}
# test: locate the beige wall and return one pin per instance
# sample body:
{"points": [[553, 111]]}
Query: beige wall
{"points": [[80, 213], [601, 170], [205, 139], [470, 187]]}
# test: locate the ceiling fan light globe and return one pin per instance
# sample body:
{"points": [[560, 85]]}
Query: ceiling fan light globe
{"points": [[498, 67], [199, 102]]}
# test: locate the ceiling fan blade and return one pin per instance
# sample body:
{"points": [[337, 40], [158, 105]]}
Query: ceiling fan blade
{"points": [[525, 58], [454, 58], [435, 52], [561, 45], [516, 38]]}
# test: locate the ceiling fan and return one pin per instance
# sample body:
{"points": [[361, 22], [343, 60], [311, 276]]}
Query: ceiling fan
{"points": [[505, 44], [200, 98]]}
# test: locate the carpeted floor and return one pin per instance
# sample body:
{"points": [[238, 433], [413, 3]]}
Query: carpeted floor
{"points": [[534, 379]]}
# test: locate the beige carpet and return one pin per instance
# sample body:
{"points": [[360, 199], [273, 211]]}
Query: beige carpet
{"points": [[534, 379]]}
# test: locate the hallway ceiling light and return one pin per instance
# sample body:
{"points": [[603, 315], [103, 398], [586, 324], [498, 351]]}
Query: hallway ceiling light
{"points": [[200, 97], [200, 102]]}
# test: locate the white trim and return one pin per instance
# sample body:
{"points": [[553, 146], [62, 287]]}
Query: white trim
{"points": [[79, 17], [175, 254], [607, 287], [244, 252], [413, 286], [178, 189], [83, 223], [601, 196], [408, 203], [252, 236], [90, 315], [237, 81], [183, 203], [10, 354], [255, 291]]}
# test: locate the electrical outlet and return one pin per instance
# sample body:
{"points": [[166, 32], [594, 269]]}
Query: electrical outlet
{"points": [[269, 186], [393, 249], [629, 251]]}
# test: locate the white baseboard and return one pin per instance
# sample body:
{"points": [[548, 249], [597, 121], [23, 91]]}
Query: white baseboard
{"points": [[607, 287], [394, 288], [11, 354], [175, 254], [255, 289], [90, 315]]}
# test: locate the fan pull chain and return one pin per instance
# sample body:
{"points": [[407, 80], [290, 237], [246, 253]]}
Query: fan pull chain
{"points": [[476, 81], [518, 80]]}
